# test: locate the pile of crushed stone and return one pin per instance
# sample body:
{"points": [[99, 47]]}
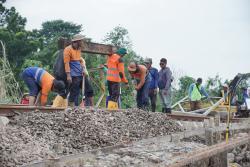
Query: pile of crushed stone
{"points": [[34, 136]]}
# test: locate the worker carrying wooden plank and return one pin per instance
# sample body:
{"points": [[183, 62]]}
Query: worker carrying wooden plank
{"points": [[39, 80]]}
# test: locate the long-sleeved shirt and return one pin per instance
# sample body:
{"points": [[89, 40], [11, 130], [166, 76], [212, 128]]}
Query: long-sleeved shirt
{"points": [[154, 78], [43, 79], [73, 62], [201, 90], [165, 78]]}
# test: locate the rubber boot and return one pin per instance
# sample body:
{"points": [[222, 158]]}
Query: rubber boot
{"points": [[32, 100]]}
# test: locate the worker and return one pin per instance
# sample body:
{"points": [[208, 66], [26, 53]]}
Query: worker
{"points": [[115, 75], [153, 86], [37, 79], [224, 94], [74, 68], [140, 74], [195, 93], [59, 68], [164, 84], [59, 72], [244, 95]]}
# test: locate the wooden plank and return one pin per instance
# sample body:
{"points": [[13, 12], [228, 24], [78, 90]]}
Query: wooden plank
{"points": [[96, 48]]}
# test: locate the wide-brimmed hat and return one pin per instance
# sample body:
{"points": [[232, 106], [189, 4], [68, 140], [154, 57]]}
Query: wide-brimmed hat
{"points": [[77, 37], [132, 67]]}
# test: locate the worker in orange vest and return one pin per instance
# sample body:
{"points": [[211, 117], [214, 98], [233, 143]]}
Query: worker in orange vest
{"points": [[140, 74], [115, 75], [39, 80]]}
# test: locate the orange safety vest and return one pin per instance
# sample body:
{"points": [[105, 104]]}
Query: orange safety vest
{"points": [[113, 69]]}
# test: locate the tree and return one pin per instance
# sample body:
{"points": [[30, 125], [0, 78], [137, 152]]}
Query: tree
{"points": [[118, 37], [182, 91], [52, 30], [3, 11], [48, 36], [19, 42], [213, 85]]}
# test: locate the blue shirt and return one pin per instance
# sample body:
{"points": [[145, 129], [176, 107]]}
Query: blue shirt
{"points": [[154, 78], [165, 78], [76, 69], [35, 72]]}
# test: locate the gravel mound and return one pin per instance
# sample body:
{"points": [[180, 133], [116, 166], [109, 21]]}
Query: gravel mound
{"points": [[35, 135]]}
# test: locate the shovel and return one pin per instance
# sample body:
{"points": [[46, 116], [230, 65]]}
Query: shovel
{"points": [[83, 90]]}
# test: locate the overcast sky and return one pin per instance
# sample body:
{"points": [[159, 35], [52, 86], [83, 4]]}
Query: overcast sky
{"points": [[200, 38]]}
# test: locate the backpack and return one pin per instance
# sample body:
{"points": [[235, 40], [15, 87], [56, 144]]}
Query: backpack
{"points": [[58, 68]]}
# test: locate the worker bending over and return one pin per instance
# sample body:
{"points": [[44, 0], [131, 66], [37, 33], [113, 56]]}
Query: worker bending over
{"points": [[37, 79], [141, 75], [115, 75]]}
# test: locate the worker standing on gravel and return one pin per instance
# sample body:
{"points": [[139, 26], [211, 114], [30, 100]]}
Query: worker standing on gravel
{"points": [[115, 75], [153, 86], [195, 93], [140, 74], [74, 68], [59, 72], [164, 84], [37, 79]]}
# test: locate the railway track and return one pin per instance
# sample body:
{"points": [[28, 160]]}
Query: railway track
{"points": [[13, 109]]}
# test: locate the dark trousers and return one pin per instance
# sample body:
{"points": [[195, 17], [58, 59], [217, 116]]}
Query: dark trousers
{"points": [[142, 95], [75, 89], [153, 97], [114, 90], [88, 92]]}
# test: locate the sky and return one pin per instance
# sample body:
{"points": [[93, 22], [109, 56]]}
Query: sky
{"points": [[199, 38]]}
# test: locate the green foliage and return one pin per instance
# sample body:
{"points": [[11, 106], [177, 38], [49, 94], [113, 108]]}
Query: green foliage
{"points": [[14, 21], [214, 86], [118, 37], [52, 30]]}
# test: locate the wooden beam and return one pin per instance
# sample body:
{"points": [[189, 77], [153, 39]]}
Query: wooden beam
{"points": [[96, 48]]}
